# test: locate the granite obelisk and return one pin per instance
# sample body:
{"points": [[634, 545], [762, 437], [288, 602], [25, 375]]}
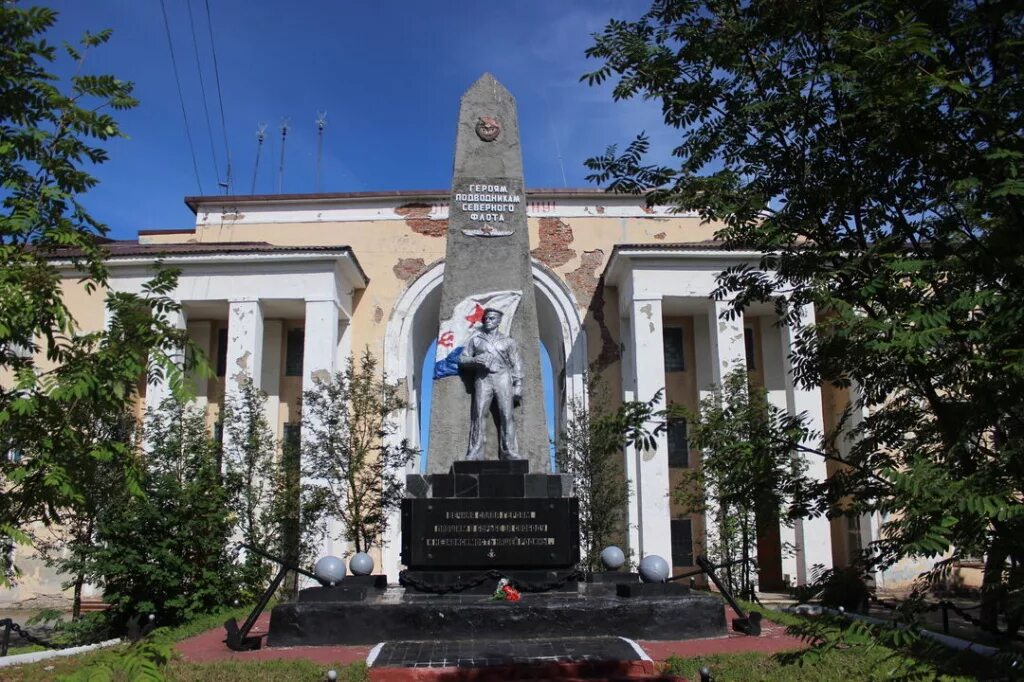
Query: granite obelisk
{"points": [[487, 266]]}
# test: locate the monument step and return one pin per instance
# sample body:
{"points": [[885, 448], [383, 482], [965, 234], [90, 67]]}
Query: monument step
{"points": [[483, 653], [400, 615]]}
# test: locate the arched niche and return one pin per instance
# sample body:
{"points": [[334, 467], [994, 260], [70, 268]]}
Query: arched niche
{"points": [[413, 326]]}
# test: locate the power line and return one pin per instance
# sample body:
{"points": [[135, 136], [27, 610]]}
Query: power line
{"points": [[181, 97], [202, 89], [220, 96]]}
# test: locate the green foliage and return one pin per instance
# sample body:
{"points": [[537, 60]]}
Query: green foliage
{"points": [[748, 478], [55, 376], [872, 152], [143, 661], [351, 448], [590, 450], [165, 552], [249, 463]]}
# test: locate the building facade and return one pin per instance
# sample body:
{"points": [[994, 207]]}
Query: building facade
{"points": [[286, 287]]}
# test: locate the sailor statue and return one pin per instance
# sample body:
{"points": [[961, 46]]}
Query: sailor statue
{"points": [[493, 359]]}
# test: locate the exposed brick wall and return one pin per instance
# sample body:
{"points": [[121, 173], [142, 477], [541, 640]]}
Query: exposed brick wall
{"points": [[555, 237], [589, 290], [417, 216]]}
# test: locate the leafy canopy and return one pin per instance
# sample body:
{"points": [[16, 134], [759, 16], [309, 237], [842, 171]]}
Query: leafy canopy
{"points": [[51, 370], [872, 152]]}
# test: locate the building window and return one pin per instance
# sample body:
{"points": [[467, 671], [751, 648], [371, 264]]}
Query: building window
{"points": [[218, 438], [853, 536], [673, 340], [292, 435], [748, 340], [682, 542], [678, 444], [294, 350], [222, 351]]}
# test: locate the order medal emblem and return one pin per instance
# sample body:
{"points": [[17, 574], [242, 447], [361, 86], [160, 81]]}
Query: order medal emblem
{"points": [[488, 128]]}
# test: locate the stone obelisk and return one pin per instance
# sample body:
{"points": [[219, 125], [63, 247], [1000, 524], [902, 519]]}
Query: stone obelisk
{"points": [[487, 254]]}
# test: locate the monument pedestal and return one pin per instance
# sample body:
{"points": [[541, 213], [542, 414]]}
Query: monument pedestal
{"points": [[401, 615], [485, 518]]}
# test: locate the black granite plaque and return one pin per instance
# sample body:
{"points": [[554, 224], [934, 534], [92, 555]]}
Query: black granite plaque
{"points": [[486, 533]]}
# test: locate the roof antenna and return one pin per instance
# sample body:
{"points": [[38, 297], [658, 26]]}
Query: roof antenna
{"points": [[280, 168], [321, 123], [261, 134]]}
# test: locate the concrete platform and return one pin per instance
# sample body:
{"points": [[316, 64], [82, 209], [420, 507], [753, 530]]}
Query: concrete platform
{"points": [[398, 615]]}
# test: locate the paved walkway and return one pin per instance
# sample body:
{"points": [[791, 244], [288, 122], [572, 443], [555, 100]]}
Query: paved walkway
{"points": [[209, 646]]}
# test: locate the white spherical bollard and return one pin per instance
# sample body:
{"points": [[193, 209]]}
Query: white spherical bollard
{"points": [[329, 570], [612, 558], [361, 564], [654, 569]]}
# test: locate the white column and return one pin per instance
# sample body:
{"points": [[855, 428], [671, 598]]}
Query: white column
{"points": [[201, 334], [271, 372], [160, 390], [813, 536], [777, 382], [245, 344], [628, 366], [319, 360], [653, 487], [726, 351]]}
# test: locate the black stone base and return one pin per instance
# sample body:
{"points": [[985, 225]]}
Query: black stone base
{"points": [[344, 593], [613, 577], [435, 582], [396, 616], [651, 590], [377, 582]]}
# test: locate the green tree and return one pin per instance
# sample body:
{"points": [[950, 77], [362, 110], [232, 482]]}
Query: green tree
{"points": [[249, 477], [748, 478], [49, 370], [69, 546], [350, 447], [590, 451], [167, 551], [873, 153]]}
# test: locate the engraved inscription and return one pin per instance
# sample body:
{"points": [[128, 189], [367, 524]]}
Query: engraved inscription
{"points": [[487, 206]]}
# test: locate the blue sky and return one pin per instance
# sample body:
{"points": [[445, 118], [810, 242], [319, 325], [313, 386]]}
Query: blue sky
{"points": [[388, 74]]}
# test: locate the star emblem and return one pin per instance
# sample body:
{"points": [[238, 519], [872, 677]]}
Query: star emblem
{"points": [[476, 316]]}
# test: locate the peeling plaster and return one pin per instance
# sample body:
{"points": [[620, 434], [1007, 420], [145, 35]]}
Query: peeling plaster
{"points": [[417, 216], [660, 235], [378, 314], [407, 268], [243, 361], [647, 310], [321, 374], [589, 291]]}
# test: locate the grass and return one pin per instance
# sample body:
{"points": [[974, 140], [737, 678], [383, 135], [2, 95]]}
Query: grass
{"points": [[872, 661], [260, 671]]}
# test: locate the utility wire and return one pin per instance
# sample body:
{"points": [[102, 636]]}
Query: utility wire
{"points": [[181, 97], [220, 96], [202, 89], [280, 168]]}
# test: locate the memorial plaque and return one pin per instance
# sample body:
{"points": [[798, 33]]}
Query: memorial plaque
{"points": [[527, 533]]}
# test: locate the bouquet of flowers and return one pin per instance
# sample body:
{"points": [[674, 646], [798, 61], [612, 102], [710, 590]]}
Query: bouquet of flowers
{"points": [[505, 591]]}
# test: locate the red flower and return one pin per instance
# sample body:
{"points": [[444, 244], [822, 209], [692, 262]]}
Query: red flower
{"points": [[511, 593]]}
